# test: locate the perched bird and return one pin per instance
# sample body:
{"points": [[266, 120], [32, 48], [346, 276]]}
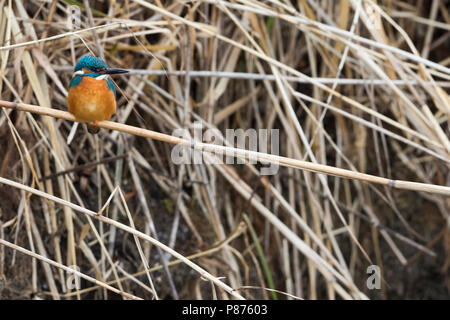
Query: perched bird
{"points": [[92, 96]]}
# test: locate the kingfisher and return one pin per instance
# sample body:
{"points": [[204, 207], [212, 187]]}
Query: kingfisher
{"points": [[92, 95]]}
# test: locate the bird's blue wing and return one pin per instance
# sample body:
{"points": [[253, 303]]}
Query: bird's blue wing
{"points": [[111, 86], [75, 81]]}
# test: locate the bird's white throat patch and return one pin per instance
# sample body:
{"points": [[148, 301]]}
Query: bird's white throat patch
{"points": [[100, 77]]}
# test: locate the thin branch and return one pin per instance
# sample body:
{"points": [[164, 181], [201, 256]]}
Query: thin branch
{"points": [[236, 152]]}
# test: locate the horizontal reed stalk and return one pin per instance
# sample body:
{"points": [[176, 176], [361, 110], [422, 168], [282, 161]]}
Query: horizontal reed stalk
{"points": [[236, 152]]}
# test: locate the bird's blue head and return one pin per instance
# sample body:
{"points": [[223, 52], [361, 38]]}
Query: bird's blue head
{"points": [[96, 68], [91, 63]]}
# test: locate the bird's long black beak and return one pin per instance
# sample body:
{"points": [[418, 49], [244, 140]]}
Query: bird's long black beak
{"points": [[114, 71]]}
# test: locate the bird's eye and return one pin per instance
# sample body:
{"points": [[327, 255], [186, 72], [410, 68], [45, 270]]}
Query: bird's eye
{"points": [[96, 70]]}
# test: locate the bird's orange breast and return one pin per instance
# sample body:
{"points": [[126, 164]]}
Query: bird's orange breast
{"points": [[91, 100]]}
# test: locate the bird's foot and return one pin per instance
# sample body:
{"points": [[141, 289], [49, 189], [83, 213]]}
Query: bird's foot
{"points": [[93, 127]]}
